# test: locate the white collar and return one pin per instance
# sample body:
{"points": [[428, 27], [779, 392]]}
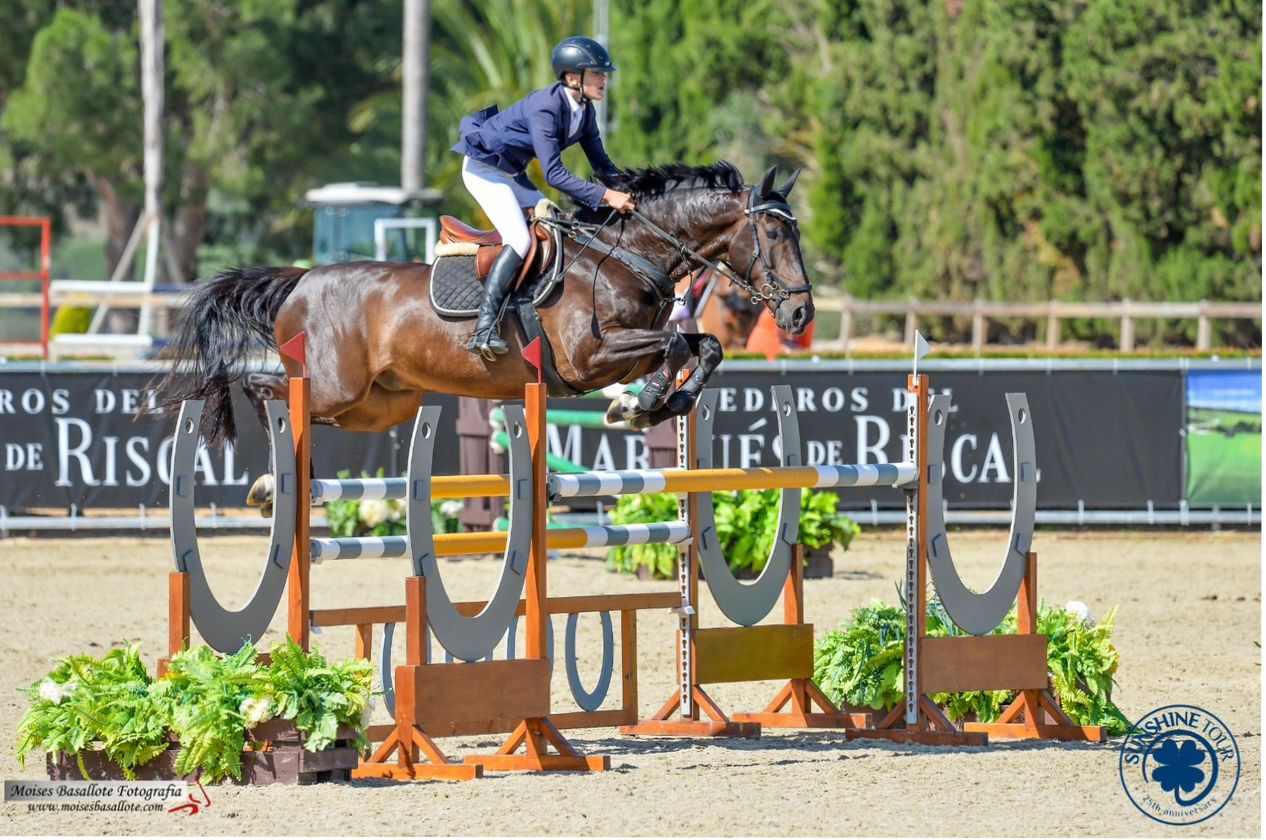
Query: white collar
{"points": [[575, 106]]}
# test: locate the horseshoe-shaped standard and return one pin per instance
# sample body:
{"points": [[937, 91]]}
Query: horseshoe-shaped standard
{"points": [[223, 629], [980, 612], [745, 603], [590, 700], [470, 639]]}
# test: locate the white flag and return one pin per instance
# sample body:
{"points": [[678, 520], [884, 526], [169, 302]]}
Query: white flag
{"points": [[921, 349]]}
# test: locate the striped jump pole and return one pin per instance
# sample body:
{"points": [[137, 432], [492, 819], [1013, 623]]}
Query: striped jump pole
{"points": [[442, 487], [628, 482], [494, 542]]}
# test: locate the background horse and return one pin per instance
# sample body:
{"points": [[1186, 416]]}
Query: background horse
{"points": [[725, 311], [375, 344]]}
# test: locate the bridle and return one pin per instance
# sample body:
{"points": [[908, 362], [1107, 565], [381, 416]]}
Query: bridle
{"points": [[773, 287]]}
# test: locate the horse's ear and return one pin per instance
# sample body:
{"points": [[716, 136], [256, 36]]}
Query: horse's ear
{"points": [[767, 183], [785, 189]]}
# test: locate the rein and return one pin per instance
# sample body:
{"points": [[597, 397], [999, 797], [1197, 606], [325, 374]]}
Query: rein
{"points": [[640, 266]]}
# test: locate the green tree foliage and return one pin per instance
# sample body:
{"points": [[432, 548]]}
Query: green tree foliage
{"points": [[1167, 93], [258, 97], [689, 75], [1034, 149], [88, 130], [1000, 149]]}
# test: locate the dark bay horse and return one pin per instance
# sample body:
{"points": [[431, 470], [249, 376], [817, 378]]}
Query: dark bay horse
{"points": [[375, 344]]}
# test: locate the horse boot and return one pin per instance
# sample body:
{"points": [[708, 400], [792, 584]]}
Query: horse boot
{"points": [[486, 340]]}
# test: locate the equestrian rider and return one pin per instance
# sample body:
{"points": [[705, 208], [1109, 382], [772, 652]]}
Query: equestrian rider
{"points": [[499, 145]]}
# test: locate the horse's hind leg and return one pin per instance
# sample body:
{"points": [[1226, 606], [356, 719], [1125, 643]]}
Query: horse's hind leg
{"points": [[675, 351], [259, 389], [381, 409]]}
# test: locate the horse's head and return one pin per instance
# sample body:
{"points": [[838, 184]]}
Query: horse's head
{"points": [[707, 211], [766, 254]]}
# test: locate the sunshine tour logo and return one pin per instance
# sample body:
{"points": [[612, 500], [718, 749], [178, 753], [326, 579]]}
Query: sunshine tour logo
{"points": [[1180, 765]]}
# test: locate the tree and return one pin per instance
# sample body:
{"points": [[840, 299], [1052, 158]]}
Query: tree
{"points": [[1168, 93], [255, 107], [79, 106]]}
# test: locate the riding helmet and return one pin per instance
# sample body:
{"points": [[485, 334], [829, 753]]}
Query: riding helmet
{"points": [[577, 53]]}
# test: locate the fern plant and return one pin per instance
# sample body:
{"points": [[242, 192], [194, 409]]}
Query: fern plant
{"points": [[206, 697], [746, 522], [209, 701], [862, 663], [317, 696], [86, 701]]}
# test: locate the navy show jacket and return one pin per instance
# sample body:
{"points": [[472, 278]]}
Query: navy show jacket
{"points": [[536, 127]]}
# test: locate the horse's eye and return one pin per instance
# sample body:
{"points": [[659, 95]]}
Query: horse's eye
{"points": [[773, 234]]}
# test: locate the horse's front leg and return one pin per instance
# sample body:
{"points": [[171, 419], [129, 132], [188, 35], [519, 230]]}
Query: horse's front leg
{"points": [[707, 348], [625, 349]]}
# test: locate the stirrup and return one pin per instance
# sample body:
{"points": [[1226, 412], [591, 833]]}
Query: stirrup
{"points": [[484, 346]]}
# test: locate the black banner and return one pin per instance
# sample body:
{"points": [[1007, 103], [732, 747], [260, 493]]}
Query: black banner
{"points": [[1112, 440], [1108, 439], [76, 438]]}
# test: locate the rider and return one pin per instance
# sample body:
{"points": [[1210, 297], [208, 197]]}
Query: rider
{"points": [[498, 147]]}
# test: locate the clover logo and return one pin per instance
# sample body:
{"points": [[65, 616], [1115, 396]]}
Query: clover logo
{"points": [[1179, 767]]}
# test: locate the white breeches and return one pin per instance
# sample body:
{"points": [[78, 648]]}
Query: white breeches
{"points": [[502, 200]]}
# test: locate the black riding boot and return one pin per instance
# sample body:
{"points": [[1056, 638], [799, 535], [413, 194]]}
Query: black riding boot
{"points": [[485, 339]]}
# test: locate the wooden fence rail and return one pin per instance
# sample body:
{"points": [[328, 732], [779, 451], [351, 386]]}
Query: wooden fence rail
{"points": [[1052, 312]]}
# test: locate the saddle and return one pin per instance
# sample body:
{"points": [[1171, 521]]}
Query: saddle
{"points": [[459, 238], [465, 254]]}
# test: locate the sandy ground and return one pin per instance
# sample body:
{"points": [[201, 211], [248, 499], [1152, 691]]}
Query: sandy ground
{"points": [[1188, 631]]}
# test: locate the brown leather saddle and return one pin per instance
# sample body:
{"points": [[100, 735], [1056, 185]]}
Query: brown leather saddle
{"points": [[454, 230]]}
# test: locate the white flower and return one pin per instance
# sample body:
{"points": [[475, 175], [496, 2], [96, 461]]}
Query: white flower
{"points": [[56, 692], [256, 710], [452, 508], [373, 511], [395, 510], [368, 712], [1078, 609]]}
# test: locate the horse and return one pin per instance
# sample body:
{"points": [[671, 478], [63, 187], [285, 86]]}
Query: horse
{"points": [[375, 344], [724, 310]]}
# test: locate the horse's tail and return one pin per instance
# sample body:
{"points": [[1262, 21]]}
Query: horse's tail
{"points": [[225, 319]]}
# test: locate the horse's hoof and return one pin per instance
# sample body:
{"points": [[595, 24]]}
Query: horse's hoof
{"points": [[623, 408], [261, 495], [680, 402], [641, 423]]}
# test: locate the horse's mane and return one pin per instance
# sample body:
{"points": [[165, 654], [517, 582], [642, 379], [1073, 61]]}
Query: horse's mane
{"points": [[659, 181], [654, 181]]}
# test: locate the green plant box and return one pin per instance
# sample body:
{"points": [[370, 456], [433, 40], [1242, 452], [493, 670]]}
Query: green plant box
{"points": [[818, 563], [285, 761]]}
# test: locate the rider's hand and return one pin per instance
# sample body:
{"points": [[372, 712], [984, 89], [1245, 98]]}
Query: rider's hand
{"points": [[621, 201]]}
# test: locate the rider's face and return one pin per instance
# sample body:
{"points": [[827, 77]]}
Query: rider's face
{"points": [[592, 84]]}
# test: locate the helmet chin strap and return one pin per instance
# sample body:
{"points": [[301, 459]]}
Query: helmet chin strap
{"points": [[580, 86]]}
